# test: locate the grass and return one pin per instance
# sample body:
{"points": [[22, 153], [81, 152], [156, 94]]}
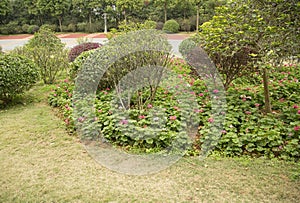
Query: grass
{"points": [[40, 162]]}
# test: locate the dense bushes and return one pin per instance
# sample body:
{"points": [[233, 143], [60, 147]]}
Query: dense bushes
{"points": [[171, 26], [77, 50], [17, 74]]}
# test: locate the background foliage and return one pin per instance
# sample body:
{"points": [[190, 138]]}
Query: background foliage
{"points": [[87, 15]]}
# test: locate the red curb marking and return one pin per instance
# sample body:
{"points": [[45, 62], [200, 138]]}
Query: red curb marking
{"points": [[75, 35], [14, 36], [99, 36], [177, 36]]}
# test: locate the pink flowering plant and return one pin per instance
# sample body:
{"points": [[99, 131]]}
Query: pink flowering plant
{"points": [[248, 130]]}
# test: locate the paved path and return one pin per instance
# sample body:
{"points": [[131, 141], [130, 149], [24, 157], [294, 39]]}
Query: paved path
{"points": [[9, 42]]}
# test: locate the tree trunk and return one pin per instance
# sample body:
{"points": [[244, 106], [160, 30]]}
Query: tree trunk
{"points": [[165, 10], [90, 21], [197, 20], [125, 18], [60, 23], [268, 108]]}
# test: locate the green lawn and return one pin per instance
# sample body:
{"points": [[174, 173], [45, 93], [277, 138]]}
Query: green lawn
{"points": [[40, 162]]}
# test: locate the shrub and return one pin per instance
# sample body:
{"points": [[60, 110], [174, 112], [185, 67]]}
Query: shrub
{"points": [[78, 62], [81, 27], [71, 27], [185, 25], [4, 30], [11, 28], [17, 74], [91, 28], [53, 28], [48, 52], [150, 24], [64, 28], [25, 28], [171, 26], [186, 45], [32, 29], [77, 50]]}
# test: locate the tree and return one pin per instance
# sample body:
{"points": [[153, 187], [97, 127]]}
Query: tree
{"points": [[88, 8], [4, 9], [58, 9], [164, 4], [243, 35], [37, 8], [279, 40], [128, 6]]}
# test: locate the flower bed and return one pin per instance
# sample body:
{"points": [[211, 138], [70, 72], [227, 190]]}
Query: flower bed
{"points": [[247, 129]]}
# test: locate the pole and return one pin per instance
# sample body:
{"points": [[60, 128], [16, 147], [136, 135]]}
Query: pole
{"points": [[105, 22]]}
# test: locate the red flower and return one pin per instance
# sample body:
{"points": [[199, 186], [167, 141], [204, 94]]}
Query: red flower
{"points": [[124, 122], [173, 118], [295, 107], [215, 91], [142, 117], [198, 110], [257, 105], [67, 121], [248, 112], [176, 108], [298, 111], [201, 94], [210, 120], [296, 128]]}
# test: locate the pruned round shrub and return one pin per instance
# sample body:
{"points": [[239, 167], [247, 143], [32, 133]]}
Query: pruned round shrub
{"points": [[186, 46], [150, 24], [78, 49], [171, 26], [17, 74]]}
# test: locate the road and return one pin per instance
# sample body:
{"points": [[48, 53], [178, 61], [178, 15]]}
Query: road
{"points": [[8, 43]]}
